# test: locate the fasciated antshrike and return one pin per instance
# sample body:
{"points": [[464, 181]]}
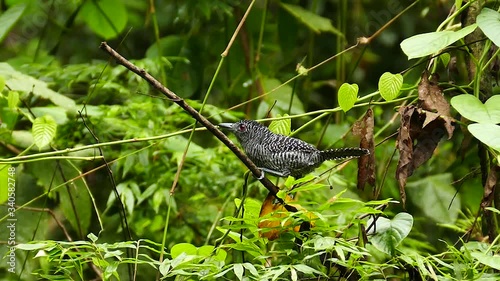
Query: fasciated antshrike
{"points": [[284, 156]]}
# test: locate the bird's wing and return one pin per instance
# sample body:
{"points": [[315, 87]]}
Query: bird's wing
{"points": [[286, 144]]}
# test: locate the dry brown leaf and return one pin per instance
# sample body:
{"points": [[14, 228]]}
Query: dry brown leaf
{"points": [[405, 147], [366, 164], [421, 129], [431, 99]]}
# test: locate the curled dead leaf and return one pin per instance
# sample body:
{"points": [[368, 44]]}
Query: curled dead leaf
{"points": [[366, 164]]}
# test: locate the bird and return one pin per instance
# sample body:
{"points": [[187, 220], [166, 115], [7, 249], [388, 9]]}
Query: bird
{"points": [[281, 155]]}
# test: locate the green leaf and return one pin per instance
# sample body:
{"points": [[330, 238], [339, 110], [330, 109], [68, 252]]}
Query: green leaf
{"points": [[389, 233], [488, 134], [436, 197], [44, 130], [107, 18], [8, 19], [22, 138], [311, 20], [489, 22], [282, 127], [347, 95], [492, 261], [18, 81], [252, 208], [473, 109], [238, 270], [425, 44], [180, 248], [170, 46], [35, 246], [251, 268], [58, 113], [13, 99], [75, 202], [205, 251], [307, 269], [445, 59], [324, 243], [390, 85], [92, 237]]}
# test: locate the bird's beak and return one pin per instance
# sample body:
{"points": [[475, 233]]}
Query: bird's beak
{"points": [[226, 125]]}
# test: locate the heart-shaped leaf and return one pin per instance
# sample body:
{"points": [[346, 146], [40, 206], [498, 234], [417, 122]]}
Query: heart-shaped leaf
{"points": [[473, 109], [389, 233], [389, 85], [348, 95], [44, 130]]}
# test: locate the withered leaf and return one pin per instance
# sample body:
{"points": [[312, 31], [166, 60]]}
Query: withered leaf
{"points": [[431, 99], [366, 164], [405, 147]]}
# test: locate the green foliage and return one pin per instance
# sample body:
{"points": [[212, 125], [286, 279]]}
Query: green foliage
{"points": [[486, 115], [88, 144]]}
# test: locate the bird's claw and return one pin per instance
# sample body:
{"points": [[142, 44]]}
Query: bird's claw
{"points": [[261, 175]]}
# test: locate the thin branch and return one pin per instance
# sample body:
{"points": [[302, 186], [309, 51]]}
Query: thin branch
{"points": [[198, 117]]}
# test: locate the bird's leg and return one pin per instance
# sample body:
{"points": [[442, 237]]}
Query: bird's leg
{"points": [[275, 173]]}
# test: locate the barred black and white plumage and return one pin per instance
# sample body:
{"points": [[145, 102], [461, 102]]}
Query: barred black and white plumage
{"points": [[283, 156]]}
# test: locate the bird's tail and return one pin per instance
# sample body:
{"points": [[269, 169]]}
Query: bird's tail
{"points": [[343, 153]]}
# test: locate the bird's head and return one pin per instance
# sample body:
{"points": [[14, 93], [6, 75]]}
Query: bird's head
{"points": [[245, 130]]}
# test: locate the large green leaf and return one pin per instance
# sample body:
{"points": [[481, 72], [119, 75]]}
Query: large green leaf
{"points": [[18, 81], [75, 202], [490, 260], [425, 44], [389, 233], [489, 134], [489, 22], [279, 99], [436, 197], [311, 20], [170, 46], [473, 109], [9, 18], [107, 18], [22, 138]]}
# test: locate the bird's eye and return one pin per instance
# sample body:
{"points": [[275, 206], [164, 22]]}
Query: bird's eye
{"points": [[242, 127]]}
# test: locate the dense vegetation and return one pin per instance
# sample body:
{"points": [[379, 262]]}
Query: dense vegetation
{"points": [[105, 177]]}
